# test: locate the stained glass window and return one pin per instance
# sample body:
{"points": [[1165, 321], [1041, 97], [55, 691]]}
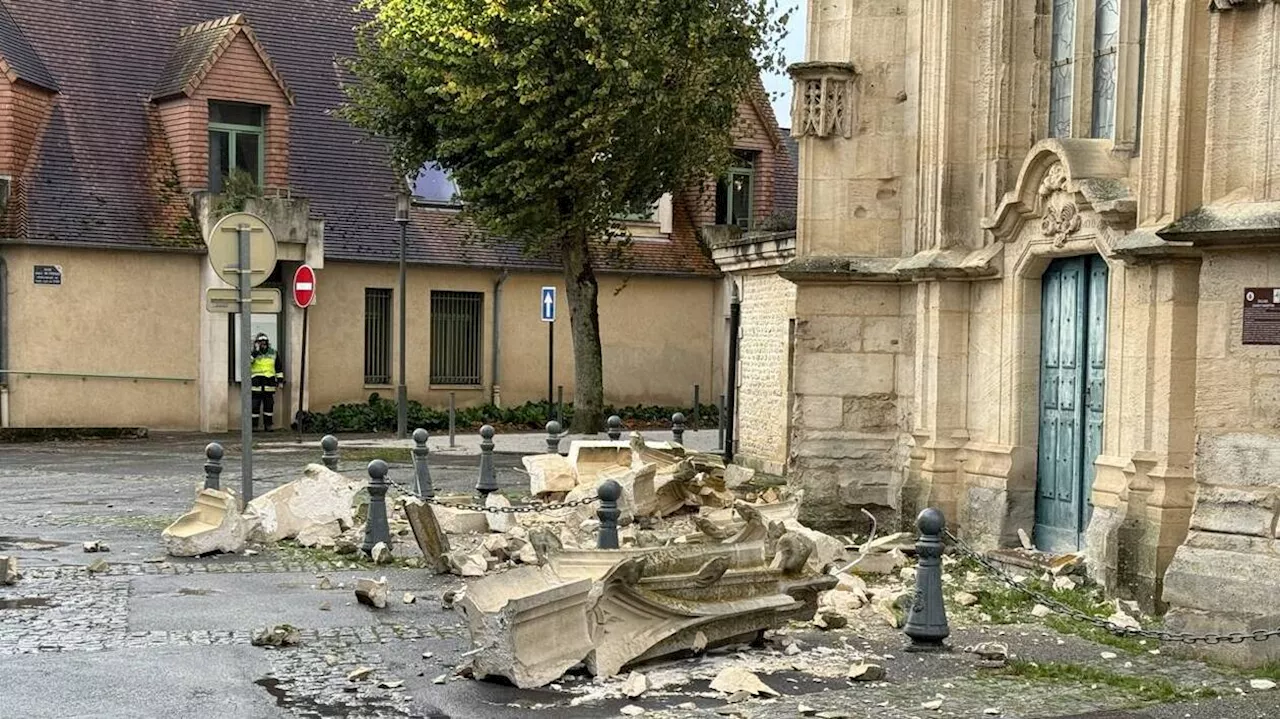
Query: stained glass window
{"points": [[1063, 39], [1106, 42]]}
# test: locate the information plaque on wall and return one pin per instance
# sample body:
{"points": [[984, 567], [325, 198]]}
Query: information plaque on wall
{"points": [[48, 274], [1261, 316]]}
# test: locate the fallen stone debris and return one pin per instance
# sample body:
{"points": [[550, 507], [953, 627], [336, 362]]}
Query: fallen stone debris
{"points": [[214, 524], [96, 546], [9, 570], [373, 592], [281, 635]]}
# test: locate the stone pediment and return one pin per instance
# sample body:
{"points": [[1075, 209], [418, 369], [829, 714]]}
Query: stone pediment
{"points": [[1060, 182]]}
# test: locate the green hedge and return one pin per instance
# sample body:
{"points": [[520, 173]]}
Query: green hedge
{"points": [[379, 415]]}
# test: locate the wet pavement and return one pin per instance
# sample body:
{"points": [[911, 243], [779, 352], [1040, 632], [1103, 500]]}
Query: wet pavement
{"points": [[158, 636]]}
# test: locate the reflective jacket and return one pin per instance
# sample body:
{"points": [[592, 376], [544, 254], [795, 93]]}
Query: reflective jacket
{"points": [[265, 369]]}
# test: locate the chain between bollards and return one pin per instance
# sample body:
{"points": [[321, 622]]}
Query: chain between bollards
{"points": [[376, 528], [609, 492], [614, 427], [329, 444], [927, 619], [488, 481], [421, 470], [213, 466]]}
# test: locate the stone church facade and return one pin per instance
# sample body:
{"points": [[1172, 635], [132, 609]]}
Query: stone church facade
{"points": [[1036, 249]]}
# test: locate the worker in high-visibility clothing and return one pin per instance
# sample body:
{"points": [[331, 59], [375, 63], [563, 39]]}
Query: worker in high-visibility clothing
{"points": [[267, 374]]}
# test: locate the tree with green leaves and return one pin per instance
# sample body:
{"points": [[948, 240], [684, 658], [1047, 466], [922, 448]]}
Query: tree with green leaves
{"points": [[555, 117]]}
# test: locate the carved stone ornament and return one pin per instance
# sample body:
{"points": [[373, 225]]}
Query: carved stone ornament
{"points": [[1062, 221], [822, 104], [1215, 5], [1060, 224]]}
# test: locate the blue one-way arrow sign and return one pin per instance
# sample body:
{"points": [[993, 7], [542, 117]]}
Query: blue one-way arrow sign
{"points": [[548, 304]]}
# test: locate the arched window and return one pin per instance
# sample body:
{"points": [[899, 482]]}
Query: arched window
{"points": [[1061, 76]]}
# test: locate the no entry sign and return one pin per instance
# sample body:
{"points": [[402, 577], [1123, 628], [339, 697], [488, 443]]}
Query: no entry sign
{"points": [[304, 286]]}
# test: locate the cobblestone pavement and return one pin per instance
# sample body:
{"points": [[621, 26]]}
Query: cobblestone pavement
{"points": [[158, 636]]}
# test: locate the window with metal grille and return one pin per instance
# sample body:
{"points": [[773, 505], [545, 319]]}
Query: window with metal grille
{"points": [[456, 321], [377, 336]]}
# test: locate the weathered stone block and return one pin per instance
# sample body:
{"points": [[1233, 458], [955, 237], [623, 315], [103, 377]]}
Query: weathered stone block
{"points": [[320, 496], [532, 624], [549, 473], [461, 521], [214, 524], [431, 537], [1237, 458], [1235, 510], [588, 457], [736, 476]]}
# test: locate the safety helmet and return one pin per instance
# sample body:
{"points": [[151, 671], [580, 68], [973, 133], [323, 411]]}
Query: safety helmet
{"points": [[261, 338]]}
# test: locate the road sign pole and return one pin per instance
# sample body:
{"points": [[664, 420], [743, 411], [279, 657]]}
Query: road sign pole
{"points": [[551, 363], [302, 376], [246, 382]]}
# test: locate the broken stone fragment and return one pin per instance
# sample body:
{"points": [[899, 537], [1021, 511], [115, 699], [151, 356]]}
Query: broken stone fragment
{"points": [[1065, 583], [496, 545], [532, 624], [8, 569], [319, 535], [737, 476], [865, 672], [545, 542], [1262, 684], [281, 635], [214, 524], [499, 521], [467, 564], [359, 674], [372, 593], [440, 679], [460, 521], [320, 497], [393, 684], [381, 553], [549, 473], [98, 566], [527, 555], [989, 651], [96, 547], [631, 710], [324, 583], [409, 598], [966, 599], [1040, 611], [1025, 539], [902, 541], [731, 680], [635, 685], [431, 537], [1121, 619], [325, 606], [932, 705]]}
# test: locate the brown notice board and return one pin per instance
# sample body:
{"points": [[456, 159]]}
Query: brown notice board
{"points": [[1261, 316]]}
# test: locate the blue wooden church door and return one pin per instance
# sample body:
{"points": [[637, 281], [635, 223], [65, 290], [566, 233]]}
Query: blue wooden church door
{"points": [[1072, 368]]}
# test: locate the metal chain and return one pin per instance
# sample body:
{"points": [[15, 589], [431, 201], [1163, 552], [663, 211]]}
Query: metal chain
{"points": [[1110, 626], [514, 509]]}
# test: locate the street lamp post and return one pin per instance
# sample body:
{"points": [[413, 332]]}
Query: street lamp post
{"points": [[402, 393]]}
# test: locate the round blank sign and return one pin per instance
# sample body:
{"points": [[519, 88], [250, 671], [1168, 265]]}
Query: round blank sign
{"points": [[224, 248]]}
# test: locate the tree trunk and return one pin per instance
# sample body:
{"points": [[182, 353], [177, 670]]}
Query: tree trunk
{"points": [[588, 358]]}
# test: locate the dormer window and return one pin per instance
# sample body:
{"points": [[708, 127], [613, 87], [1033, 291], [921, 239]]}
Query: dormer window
{"points": [[235, 142], [734, 191]]}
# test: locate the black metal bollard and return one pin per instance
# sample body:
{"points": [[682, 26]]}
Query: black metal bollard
{"points": [[697, 407], [927, 621], [213, 466], [560, 404], [452, 418], [421, 471], [376, 529], [488, 481], [677, 427], [720, 423], [553, 437], [609, 491], [329, 444], [615, 427]]}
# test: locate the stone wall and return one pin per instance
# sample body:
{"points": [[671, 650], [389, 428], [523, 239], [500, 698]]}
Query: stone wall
{"points": [[768, 305]]}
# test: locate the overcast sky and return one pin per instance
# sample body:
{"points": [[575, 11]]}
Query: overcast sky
{"points": [[793, 47]]}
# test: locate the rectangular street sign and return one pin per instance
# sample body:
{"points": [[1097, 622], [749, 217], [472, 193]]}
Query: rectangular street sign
{"points": [[548, 304], [266, 300]]}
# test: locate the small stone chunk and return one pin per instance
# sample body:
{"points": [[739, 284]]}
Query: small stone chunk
{"points": [[1025, 539], [410, 598], [381, 553], [632, 710], [372, 593], [96, 547], [440, 679], [99, 565], [635, 685], [359, 674], [687, 706], [1040, 611], [966, 599], [1108, 655], [866, 672], [281, 635], [934, 705], [991, 711], [731, 680], [1262, 684], [393, 684], [324, 583], [325, 606], [806, 710]]}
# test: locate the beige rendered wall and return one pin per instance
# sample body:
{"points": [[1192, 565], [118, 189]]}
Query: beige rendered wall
{"points": [[768, 305], [657, 334], [116, 312]]}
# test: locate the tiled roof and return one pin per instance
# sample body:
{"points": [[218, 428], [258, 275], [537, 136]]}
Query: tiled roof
{"points": [[18, 56], [90, 188]]}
